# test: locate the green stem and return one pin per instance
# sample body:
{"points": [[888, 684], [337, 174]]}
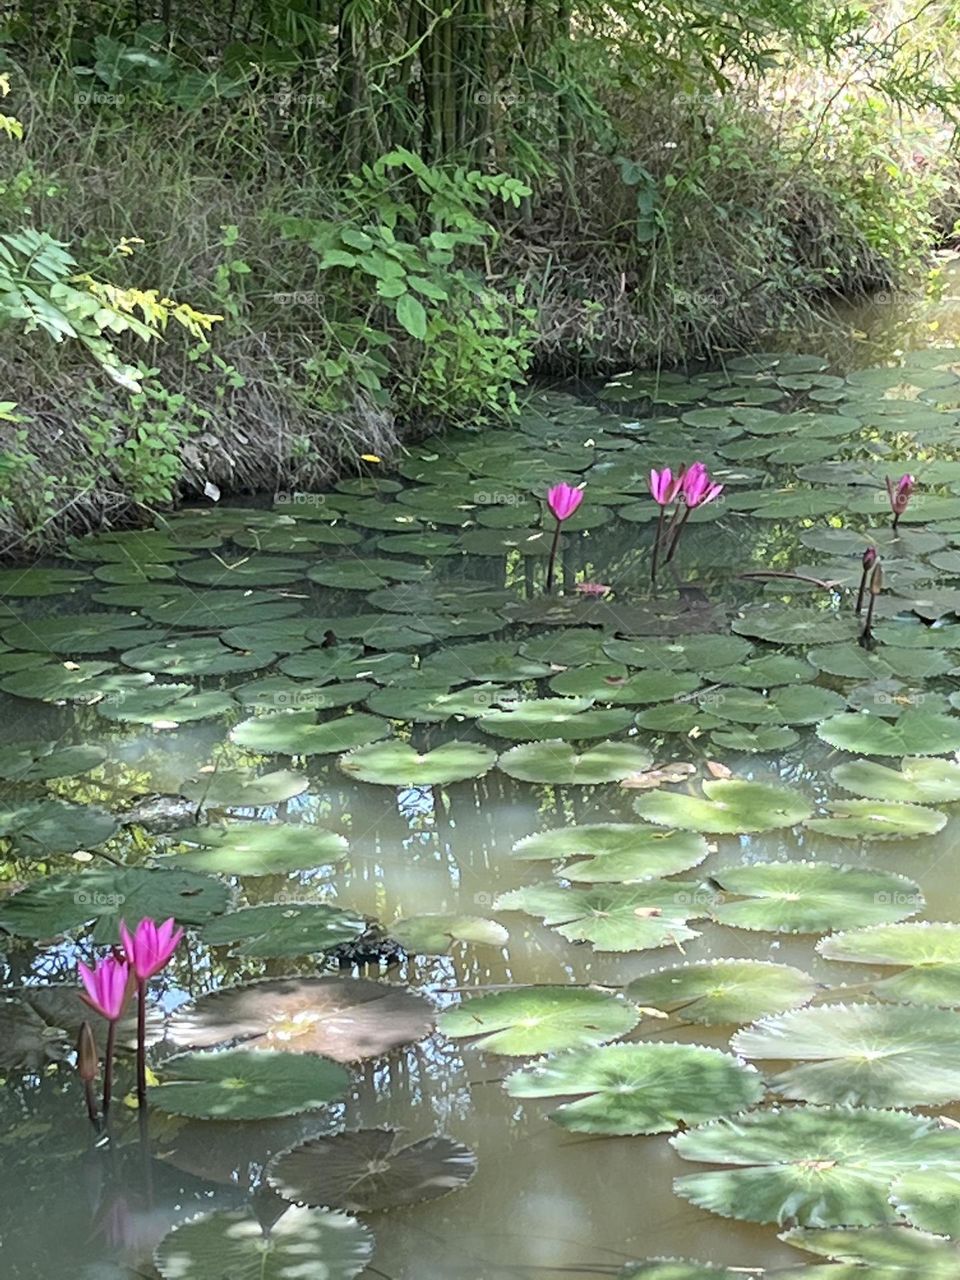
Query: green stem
{"points": [[142, 1046], [553, 556], [676, 537], [656, 546], [108, 1069], [860, 593]]}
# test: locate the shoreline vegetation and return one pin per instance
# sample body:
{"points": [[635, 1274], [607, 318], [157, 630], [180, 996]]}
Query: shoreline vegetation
{"points": [[245, 247]]}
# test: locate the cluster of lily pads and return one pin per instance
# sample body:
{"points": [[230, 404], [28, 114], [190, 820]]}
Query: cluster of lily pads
{"points": [[395, 632]]}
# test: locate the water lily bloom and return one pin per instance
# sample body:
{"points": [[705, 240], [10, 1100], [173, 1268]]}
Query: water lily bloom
{"points": [[899, 495], [149, 948], [563, 500], [106, 986], [698, 488], [664, 485]]}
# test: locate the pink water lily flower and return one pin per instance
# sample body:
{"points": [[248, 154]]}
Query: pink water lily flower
{"points": [[899, 495], [592, 588], [563, 500], [107, 986], [698, 488], [664, 485], [150, 946]]}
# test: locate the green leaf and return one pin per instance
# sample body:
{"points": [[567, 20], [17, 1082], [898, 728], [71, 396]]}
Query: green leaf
{"points": [[818, 1166], [639, 1088], [556, 761], [235, 1244], [928, 952], [413, 317], [564, 718], [284, 929], [397, 764], [730, 806], [530, 1020], [879, 1055], [878, 820], [929, 1199], [918, 732], [620, 852], [43, 827], [257, 848], [240, 1084], [435, 933], [297, 733], [242, 788], [715, 992], [920, 780], [614, 918]]}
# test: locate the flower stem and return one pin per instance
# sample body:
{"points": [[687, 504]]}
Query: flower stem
{"points": [[676, 537], [108, 1068], [553, 556], [656, 546], [142, 1045], [860, 593]]}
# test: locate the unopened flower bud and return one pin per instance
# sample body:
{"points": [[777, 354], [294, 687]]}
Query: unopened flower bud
{"points": [[87, 1061], [869, 557], [876, 580]]}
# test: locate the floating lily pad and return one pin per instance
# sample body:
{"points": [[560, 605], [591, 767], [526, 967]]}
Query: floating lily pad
{"points": [[485, 661], [165, 705], [818, 1166], [195, 656], [678, 1269], [567, 718], [811, 897], [79, 634], [611, 684], [258, 848], [27, 1043], [77, 682], [24, 583], [43, 827], [795, 626], [557, 761], [621, 852], [344, 662], [425, 706], [530, 1020], [435, 934], [297, 733], [761, 740], [679, 653], [367, 1171], [639, 1088], [346, 1019], [918, 732], [927, 952], [357, 574], [653, 913], [248, 571], [241, 1084], [715, 992], [766, 672], [878, 820], [916, 781], [929, 1199], [878, 1055], [43, 760], [284, 929], [729, 807], [875, 1253], [852, 661], [282, 693], [397, 764], [107, 895], [243, 788]]}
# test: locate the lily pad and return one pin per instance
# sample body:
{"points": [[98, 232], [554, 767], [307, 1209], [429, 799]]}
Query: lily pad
{"points": [[760, 740], [243, 788], [284, 929], [927, 952], [787, 626], [817, 1166], [653, 913], [557, 761], [195, 656], [878, 820], [528, 1020], [242, 1084], [258, 848], [875, 1253], [74, 682], [929, 1199], [482, 662], [397, 764], [43, 760], [435, 934], [918, 732], [621, 852], [567, 718], [79, 634], [346, 1019], [248, 571], [918, 780], [639, 1088], [367, 1171], [715, 992], [42, 827], [107, 895], [728, 807], [811, 897], [297, 733], [165, 705]]}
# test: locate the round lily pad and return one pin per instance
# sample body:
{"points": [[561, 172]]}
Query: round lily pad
{"points": [[434, 934], [242, 1084], [254, 570], [653, 913], [810, 897], [258, 848], [620, 852], [795, 626], [346, 1019], [728, 807], [74, 682], [929, 1199], [568, 718], [918, 732], [721, 991], [557, 761], [43, 827], [918, 780], [397, 764], [79, 633], [282, 693], [297, 733], [817, 1166], [484, 661], [878, 820], [875, 1253], [243, 788], [639, 1088], [528, 1020], [926, 952], [165, 705], [195, 656], [367, 1170], [24, 583], [284, 929], [42, 760], [878, 1055]]}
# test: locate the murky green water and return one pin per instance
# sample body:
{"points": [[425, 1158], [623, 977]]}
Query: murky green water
{"points": [[375, 600]]}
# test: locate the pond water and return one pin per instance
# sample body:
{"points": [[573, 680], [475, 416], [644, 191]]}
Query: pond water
{"points": [[244, 707]]}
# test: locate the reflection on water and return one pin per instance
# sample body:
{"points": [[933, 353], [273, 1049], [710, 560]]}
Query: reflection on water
{"points": [[545, 1202]]}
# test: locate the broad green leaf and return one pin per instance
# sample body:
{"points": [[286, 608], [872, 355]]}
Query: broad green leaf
{"points": [[620, 852], [43, 827], [529, 1020], [257, 848], [917, 732], [435, 934], [918, 780], [928, 953], [284, 929], [878, 820], [729, 806], [397, 764], [572, 719], [612, 917], [715, 992], [242, 1084], [297, 733], [557, 761]]}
